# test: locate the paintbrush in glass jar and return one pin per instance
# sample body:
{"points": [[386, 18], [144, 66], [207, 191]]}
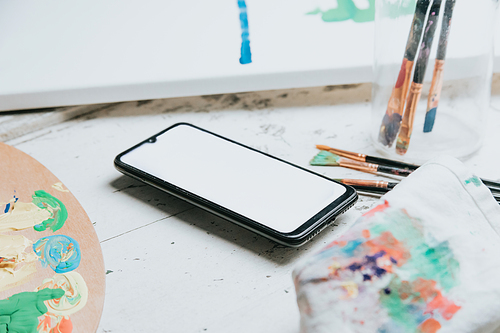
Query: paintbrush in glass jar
{"points": [[437, 76], [415, 92], [392, 119], [377, 186], [368, 158], [325, 158]]}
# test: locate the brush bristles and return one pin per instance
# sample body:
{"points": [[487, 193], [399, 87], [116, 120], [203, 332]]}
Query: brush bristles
{"points": [[325, 158]]}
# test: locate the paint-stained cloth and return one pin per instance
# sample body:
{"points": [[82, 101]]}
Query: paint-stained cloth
{"points": [[425, 259]]}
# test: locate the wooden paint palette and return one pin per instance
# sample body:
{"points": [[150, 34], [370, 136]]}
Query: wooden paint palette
{"points": [[73, 260]]}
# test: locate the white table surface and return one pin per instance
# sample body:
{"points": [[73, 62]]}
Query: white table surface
{"points": [[175, 268]]}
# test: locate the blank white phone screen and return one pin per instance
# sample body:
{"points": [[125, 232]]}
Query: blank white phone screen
{"points": [[249, 183]]}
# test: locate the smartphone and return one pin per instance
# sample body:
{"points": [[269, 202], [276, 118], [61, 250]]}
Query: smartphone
{"points": [[257, 191]]}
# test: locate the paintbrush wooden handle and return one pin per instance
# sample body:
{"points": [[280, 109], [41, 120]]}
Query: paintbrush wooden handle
{"points": [[409, 116], [360, 166], [393, 115]]}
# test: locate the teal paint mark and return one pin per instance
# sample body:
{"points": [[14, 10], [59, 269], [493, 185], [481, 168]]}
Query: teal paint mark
{"points": [[44, 200], [347, 10], [473, 180], [109, 271], [351, 247], [20, 312]]}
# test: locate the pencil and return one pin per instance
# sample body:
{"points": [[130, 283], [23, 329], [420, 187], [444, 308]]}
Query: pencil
{"points": [[404, 136], [437, 77], [392, 119]]}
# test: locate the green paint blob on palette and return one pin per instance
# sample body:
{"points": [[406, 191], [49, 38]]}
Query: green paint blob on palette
{"points": [[52, 274]]}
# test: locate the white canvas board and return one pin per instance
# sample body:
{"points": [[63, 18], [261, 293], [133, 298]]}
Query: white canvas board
{"points": [[55, 53]]}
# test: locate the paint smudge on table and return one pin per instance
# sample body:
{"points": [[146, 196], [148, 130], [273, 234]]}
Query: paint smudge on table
{"points": [[20, 312], [60, 187], [16, 264], [394, 274], [60, 252], [59, 213], [246, 54], [349, 10]]}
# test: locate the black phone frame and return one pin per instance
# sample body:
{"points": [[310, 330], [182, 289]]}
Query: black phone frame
{"points": [[295, 238]]}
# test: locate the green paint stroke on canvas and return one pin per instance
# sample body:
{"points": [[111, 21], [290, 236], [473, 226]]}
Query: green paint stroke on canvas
{"points": [[59, 213], [473, 180], [347, 10], [20, 312]]}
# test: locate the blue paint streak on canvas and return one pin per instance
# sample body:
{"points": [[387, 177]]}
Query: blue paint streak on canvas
{"points": [[7, 207], [246, 54], [429, 120]]}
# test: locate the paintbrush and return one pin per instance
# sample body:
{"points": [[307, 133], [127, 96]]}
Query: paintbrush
{"points": [[367, 158], [378, 186], [404, 136], [325, 158], [437, 76], [392, 119], [492, 185]]}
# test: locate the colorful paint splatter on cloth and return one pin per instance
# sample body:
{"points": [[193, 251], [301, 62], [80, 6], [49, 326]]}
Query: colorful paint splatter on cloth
{"points": [[389, 274], [60, 252]]}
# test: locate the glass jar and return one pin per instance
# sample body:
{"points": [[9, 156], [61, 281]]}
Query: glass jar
{"points": [[432, 77]]}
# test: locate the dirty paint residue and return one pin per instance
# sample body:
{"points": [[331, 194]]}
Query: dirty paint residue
{"points": [[347, 10], [20, 312], [58, 211], [60, 187], [59, 252], [17, 262], [473, 180], [75, 297], [394, 269]]}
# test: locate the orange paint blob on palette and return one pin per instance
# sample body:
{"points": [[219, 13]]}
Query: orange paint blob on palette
{"points": [[52, 274]]}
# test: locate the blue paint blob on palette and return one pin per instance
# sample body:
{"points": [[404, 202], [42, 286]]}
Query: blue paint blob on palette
{"points": [[62, 253], [246, 54]]}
